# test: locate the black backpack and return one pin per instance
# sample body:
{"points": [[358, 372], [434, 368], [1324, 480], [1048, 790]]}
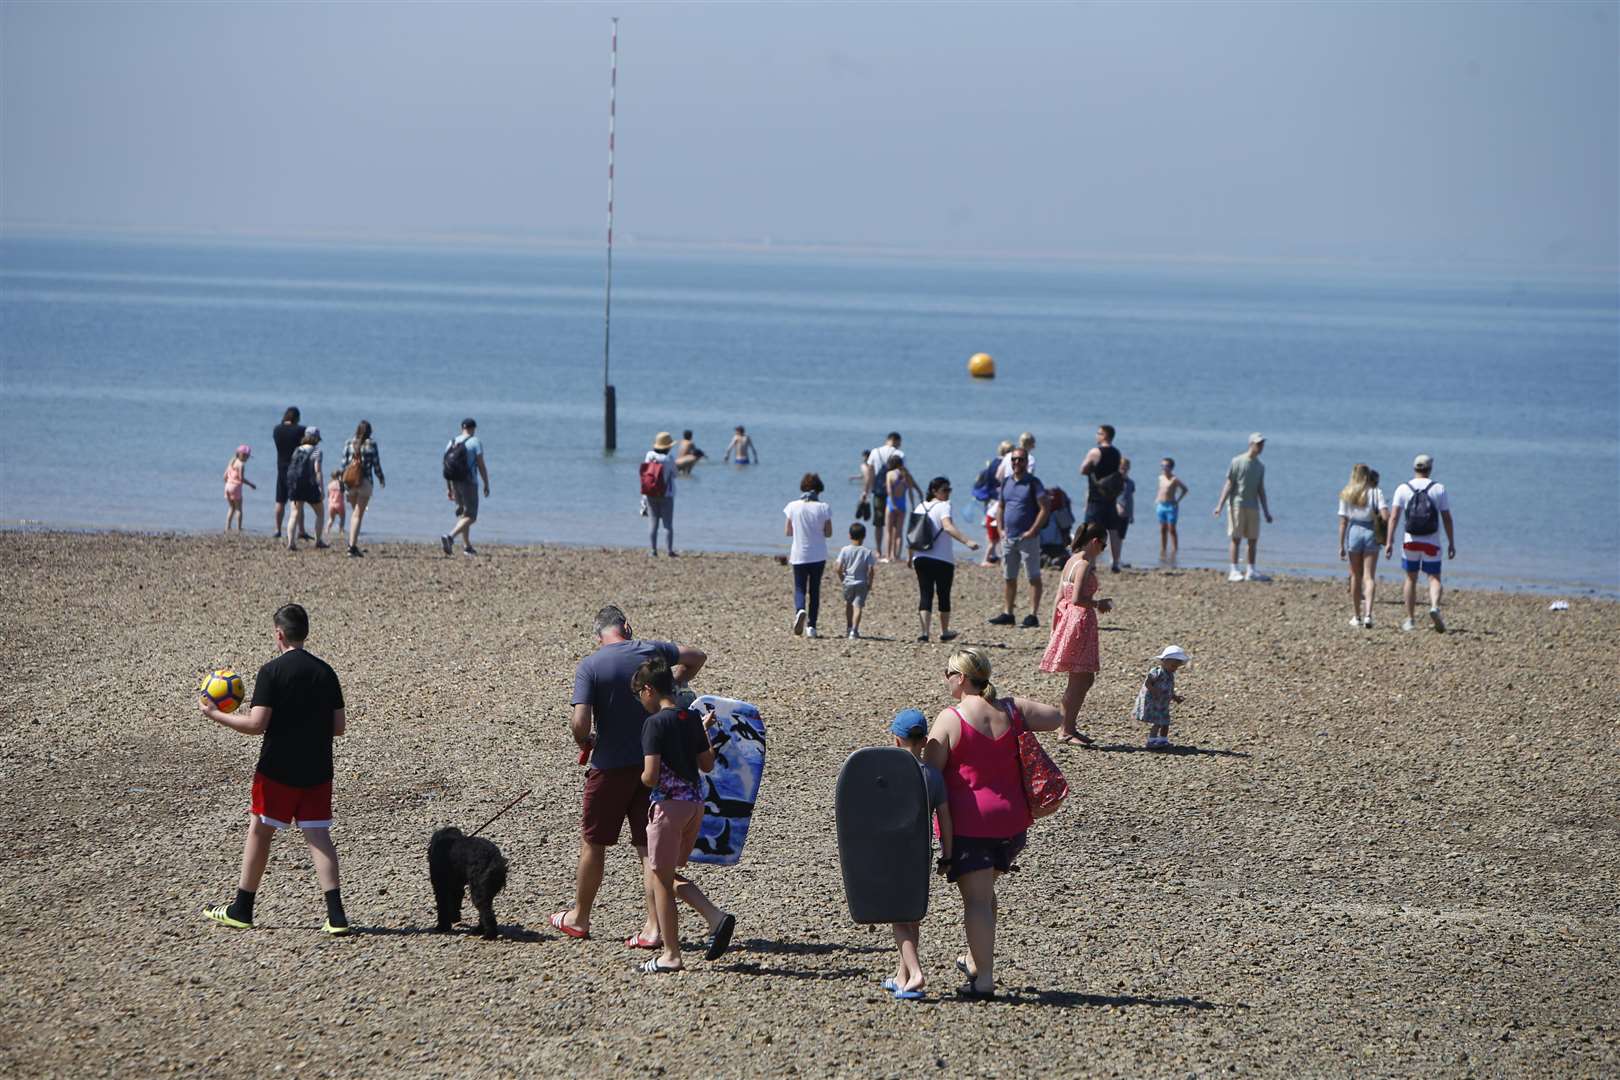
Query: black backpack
{"points": [[1422, 519], [920, 530], [456, 467]]}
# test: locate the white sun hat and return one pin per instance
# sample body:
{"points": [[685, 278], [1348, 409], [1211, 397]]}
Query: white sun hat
{"points": [[1173, 652]]}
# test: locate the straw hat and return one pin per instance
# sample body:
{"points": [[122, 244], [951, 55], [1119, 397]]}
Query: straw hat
{"points": [[663, 441]]}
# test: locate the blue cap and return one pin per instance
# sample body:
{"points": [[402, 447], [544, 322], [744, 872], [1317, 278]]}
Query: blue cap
{"points": [[909, 724]]}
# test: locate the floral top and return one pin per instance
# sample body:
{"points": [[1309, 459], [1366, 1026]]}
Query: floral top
{"points": [[1153, 700]]}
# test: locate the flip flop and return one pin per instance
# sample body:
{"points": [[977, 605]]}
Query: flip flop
{"points": [[653, 967], [636, 941], [722, 938], [221, 915], [1075, 740], [571, 931], [337, 931], [970, 992], [962, 966], [890, 985], [909, 995]]}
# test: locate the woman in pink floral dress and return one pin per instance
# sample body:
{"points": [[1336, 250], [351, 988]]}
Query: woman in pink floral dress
{"points": [[1073, 648]]}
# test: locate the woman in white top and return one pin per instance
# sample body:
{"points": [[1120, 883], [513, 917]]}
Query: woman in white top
{"points": [[809, 523], [661, 508], [935, 562], [1362, 507]]}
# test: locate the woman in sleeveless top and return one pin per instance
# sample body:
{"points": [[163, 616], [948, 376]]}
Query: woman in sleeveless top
{"points": [[362, 447], [974, 743], [1073, 648], [1361, 508]]}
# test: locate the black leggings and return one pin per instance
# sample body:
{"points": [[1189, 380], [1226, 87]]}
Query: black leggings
{"points": [[933, 574]]}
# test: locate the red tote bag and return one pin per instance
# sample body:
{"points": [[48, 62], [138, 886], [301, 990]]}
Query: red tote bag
{"points": [[1044, 785]]}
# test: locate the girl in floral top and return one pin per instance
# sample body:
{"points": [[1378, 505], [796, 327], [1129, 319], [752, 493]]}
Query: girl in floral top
{"points": [[1158, 691]]}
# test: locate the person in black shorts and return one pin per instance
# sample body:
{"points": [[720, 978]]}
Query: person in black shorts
{"points": [[1104, 483], [287, 435], [297, 706]]}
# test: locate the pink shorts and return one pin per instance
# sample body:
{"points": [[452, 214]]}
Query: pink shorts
{"points": [[279, 805], [672, 829]]}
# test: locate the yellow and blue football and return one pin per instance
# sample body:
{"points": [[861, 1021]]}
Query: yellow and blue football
{"points": [[224, 688]]}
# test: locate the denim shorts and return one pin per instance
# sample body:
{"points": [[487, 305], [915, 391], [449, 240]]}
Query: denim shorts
{"points": [[1359, 539]]}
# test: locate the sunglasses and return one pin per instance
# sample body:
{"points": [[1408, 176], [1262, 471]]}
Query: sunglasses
{"points": [[949, 672], [1016, 460]]}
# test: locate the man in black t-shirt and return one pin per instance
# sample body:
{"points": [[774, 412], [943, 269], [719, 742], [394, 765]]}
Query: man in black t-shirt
{"points": [[1104, 482], [298, 707], [287, 435]]}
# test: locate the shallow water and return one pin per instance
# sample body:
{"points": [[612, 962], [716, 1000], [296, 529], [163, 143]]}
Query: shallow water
{"points": [[132, 368]]}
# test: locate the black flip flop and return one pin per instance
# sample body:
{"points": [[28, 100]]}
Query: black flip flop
{"points": [[968, 992], [722, 938]]}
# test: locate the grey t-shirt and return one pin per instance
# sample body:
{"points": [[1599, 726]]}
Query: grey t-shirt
{"points": [[1246, 474], [856, 563], [602, 681], [934, 781]]}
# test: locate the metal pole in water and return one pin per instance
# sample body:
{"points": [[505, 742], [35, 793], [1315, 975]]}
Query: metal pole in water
{"points": [[610, 405]]}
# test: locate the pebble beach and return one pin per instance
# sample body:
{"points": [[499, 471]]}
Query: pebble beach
{"points": [[1371, 853]]}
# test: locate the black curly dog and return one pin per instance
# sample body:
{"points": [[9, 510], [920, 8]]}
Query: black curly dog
{"points": [[459, 863]]}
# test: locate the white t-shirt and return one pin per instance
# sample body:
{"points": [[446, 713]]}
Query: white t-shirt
{"points": [[879, 460], [1442, 504], [1004, 466], [1363, 515], [810, 519], [669, 471], [943, 547]]}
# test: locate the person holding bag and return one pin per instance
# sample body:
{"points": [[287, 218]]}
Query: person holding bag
{"points": [[976, 745], [929, 531]]}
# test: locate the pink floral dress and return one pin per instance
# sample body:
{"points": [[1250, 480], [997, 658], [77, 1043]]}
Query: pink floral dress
{"points": [[1074, 630]]}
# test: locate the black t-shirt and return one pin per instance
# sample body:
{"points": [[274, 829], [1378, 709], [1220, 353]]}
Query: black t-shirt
{"points": [[301, 692], [1103, 489], [287, 437], [678, 737]]}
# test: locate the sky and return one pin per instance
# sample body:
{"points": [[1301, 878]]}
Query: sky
{"points": [[1432, 132]]}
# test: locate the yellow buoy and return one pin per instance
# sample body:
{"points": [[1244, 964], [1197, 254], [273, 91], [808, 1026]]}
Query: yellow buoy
{"points": [[982, 366]]}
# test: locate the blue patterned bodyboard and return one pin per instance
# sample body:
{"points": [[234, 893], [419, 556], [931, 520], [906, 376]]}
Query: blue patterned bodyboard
{"points": [[732, 786]]}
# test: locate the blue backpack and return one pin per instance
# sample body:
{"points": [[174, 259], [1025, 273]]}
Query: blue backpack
{"points": [[984, 487]]}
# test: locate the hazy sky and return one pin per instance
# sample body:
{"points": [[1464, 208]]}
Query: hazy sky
{"points": [[1432, 131]]}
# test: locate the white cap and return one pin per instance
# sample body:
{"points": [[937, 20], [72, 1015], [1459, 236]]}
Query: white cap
{"points": [[1256, 437], [1173, 652]]}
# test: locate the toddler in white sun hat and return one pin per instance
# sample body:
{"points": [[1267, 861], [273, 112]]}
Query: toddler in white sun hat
{"points": [[1158, 691]]}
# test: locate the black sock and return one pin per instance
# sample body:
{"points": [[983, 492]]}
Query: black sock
{"points": [[334, 908], [241, 908]]}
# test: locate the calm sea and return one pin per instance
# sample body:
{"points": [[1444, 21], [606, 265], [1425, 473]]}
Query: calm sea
{"points": [[132, 368]]}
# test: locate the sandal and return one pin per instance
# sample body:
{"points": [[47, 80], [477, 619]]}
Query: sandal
{"points": [[636, 941], [722, 938], [571, 931], [222, 915], [972, 993], [1075, 739], [653, 967]]}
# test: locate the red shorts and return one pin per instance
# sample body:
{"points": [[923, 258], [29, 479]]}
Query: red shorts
{"points": [[672, 829], [278, 804], [611, 796]]}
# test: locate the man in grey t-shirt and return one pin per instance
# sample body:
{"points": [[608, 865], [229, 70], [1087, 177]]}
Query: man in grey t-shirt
{"points": [[1245, 491], [606, 724]]}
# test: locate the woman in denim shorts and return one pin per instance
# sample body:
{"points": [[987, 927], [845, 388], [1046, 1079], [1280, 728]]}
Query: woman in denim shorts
{"points": [[1362, 508]]}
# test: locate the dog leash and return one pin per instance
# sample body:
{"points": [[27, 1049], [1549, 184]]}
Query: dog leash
{"points": [[503, 810]]}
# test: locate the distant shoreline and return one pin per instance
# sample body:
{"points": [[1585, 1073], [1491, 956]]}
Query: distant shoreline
{"points": [[1388, 580]]}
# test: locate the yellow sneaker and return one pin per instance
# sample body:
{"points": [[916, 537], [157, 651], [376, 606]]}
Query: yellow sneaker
{"points": [[336, 931], [221, 915]]}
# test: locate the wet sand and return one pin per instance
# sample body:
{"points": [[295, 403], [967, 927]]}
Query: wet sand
{"points": [[1373, 852]]}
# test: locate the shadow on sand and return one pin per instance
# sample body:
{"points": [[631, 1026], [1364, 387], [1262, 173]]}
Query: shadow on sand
{"points": [[1178, 750]]}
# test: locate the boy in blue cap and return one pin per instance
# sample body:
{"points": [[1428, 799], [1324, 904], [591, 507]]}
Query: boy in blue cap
{"points": [[910, 730]]}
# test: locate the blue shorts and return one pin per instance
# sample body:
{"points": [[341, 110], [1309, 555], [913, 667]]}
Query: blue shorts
{"points": [[897, 506], [1427, 558], [1412, 566], [1359, 539], [1168, 512]]}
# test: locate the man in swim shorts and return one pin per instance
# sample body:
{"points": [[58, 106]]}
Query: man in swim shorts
{"points": [[1421, 550]]}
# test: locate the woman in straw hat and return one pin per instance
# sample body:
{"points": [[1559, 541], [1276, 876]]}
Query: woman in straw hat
{"points": [[661, 508]]}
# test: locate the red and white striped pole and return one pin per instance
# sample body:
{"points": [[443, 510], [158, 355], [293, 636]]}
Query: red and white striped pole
{"points": [[610, 421]]}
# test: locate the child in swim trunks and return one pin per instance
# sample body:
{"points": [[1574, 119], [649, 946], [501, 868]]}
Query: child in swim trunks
{"points": [[235, 477], [335, 513], [1158, 691], [1167, 506], [910, 731]]}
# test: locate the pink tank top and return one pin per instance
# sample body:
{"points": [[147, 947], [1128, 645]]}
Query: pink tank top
{"points": [[984, 782]]}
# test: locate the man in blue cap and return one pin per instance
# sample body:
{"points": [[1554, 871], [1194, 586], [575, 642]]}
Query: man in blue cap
{"points": [[910, 730]]}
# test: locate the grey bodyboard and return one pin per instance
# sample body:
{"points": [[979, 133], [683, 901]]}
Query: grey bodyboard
{"points": [[884, 837]]}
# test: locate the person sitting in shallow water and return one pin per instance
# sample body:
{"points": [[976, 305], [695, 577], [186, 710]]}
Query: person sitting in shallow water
{"points": [[687, 454]]}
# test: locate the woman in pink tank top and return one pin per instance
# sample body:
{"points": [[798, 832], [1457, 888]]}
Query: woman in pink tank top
{"points": [[974, 743]]}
